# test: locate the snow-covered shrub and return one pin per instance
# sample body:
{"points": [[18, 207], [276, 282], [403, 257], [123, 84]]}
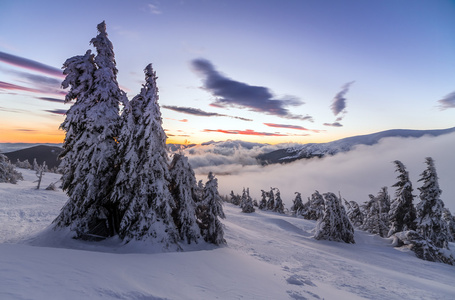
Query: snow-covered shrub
{"points": [[335, 224], [8, 173]]}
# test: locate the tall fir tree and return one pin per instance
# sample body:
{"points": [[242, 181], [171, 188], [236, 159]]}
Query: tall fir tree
{"points": [[430, 209], [402, 212], [183, 189], [141, 190], [335, 224], [208, 211], [90, 145]]}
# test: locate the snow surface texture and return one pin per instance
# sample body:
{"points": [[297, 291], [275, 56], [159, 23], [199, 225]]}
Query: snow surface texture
{"points": [[267, 256]]}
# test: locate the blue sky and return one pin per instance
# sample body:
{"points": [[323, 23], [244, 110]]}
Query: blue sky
{"points": [[264, 71]]}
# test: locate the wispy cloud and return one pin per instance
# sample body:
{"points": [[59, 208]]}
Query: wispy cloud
{"points": [[229, 92], [334, 124], [154, 9], [41, 90], [57, 111], [296, 127], [51, 99], [14, 87], [199, 112], [339, 101], [30, 64], [448, 101], [244, 132]]}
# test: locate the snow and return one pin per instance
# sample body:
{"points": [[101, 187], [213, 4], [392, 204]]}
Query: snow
{"points": [[267, 256]]}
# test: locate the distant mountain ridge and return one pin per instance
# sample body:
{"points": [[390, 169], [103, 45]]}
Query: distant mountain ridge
{"points": [[311, 150], [41, 153]]}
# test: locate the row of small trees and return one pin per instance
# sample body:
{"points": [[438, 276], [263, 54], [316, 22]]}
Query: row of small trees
{"points": [[116, 168], [426, 228]]}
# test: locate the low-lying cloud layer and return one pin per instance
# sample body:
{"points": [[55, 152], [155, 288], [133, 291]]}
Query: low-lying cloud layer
{"points": [[354, 174]]}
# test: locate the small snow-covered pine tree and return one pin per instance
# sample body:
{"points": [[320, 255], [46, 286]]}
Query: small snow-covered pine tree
{"points": [[430, 209], [297, 206], [354, 213], [271, 200], [208, 211], [335, 224], [450, 222], [235, 199], [183, 189], [279, 206], [248, 202], [314, 208], [373, 221], [141, 190], [8, 173], [263, 202], [402, 212]]}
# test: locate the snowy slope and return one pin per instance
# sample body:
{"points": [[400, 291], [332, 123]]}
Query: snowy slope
{"points": [[268, 256]]}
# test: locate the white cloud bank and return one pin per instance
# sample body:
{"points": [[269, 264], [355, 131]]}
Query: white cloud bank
{"points": [[355, 174]]}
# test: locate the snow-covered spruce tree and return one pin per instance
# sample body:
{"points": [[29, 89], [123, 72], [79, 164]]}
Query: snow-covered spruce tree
{"points": [[373, 221], [248, 202], [429, 220], [279, 206], [450, 222], [314, 208], [263, 202], [183, 189], [208, 211], [297, 206], [8, 173], [235, 199], [354, 213], [271, 200], [141, 191], [335, 224], [89, 149], [402, 212]]}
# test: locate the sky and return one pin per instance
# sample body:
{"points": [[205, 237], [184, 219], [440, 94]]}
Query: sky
{"points": [[260, 71]]}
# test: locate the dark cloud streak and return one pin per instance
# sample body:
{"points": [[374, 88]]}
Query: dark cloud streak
{"points": [[245, 132], [30, 64], [199, 112], [296, 127], [229, 92]]}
